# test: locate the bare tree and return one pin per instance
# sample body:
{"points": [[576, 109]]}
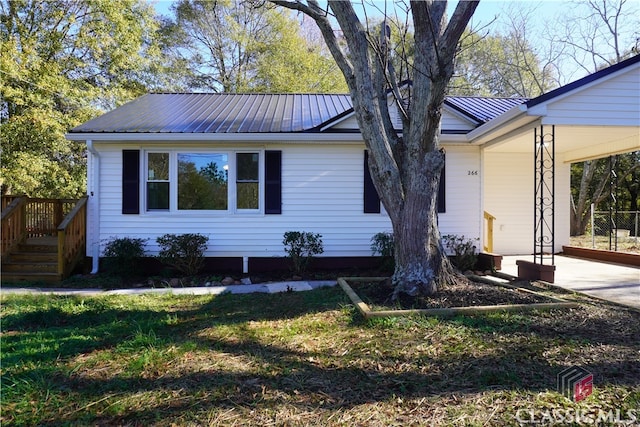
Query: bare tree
{"points": [[405, 168], [593, 35], [598, 33], [506, 61]]}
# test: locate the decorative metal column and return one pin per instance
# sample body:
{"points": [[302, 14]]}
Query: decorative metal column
{"points": [[544, 195], [613, 203]]}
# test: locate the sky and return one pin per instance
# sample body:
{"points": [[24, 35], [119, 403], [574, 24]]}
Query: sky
{"points": [[542, 16]]}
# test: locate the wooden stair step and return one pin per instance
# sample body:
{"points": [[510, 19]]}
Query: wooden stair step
{"points": [[29, 267], [36, 248], [33, 257], [15, 277]]}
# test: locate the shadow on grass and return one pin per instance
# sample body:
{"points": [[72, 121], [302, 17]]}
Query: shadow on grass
{"points": [[65, 326], [305, 379], [298, 382]]}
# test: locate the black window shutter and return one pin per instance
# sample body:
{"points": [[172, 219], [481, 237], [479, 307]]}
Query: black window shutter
{"points": [[273, 182], [371, 198], [130, 181], [441, 193]]}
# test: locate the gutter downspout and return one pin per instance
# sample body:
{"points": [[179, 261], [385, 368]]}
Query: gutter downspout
{"points": [[94, 191]]}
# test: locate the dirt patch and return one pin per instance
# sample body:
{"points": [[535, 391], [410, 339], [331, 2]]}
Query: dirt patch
{"points": [[470, 294]]}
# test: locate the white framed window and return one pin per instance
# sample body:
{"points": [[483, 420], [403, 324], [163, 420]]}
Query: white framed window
{"points": [[157, 179], [209, 181]]}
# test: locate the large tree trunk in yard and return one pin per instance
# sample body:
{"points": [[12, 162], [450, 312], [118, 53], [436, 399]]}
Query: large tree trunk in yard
{"points": [[405, 169], [421, 264]]}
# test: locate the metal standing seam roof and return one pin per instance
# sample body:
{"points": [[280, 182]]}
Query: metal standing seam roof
{"points": [[220, 113], [483, 109], [252, 113]]}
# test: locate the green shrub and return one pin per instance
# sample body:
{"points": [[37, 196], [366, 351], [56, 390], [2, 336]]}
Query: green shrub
{"points": [[184, 252], [464, 251], [301, 246], [122, 255], [383, 244]]}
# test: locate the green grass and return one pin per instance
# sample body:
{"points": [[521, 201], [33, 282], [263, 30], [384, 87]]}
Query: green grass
{"points": [[304, 358]]}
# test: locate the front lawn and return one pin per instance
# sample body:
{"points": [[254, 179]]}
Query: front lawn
{"points": [[305, 358]]}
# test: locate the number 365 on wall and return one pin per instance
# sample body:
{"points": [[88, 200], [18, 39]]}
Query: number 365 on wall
{"points": [[473, 173]]}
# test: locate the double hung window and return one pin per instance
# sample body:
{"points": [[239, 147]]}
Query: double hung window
{"points": [[158, 181]]}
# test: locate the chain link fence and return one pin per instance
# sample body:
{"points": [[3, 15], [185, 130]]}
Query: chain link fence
{"points": [[616, 231]]}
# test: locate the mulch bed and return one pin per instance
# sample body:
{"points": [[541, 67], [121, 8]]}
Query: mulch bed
{"points": [[470, 294]]}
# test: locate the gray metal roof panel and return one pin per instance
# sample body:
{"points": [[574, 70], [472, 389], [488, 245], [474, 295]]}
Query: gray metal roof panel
{"points": [[219, 113], [252, 113], [483, 109]]}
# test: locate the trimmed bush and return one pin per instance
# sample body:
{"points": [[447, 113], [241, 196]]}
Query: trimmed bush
{"points": [[184, 252], [122, 254], [383, 244], [300, 247], [464, 251]]}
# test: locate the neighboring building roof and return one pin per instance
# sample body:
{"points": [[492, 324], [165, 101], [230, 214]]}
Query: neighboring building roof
{"points": [[482, 109], [253, 113]]}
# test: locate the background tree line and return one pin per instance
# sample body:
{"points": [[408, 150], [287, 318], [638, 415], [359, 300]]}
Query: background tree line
{"points": [[63, 62]]}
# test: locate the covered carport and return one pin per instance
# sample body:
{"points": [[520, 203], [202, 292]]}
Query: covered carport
{"points": [[527, 154]]}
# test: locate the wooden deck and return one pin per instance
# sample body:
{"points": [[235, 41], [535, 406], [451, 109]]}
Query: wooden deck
{"points": [[42, 239]]}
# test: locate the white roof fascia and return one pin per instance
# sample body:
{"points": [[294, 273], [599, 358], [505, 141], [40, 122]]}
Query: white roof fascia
{"points": [[460, 114], [448, 138], [337, 121], [260, 138], [585, 86], [218, 137], [449, 109]]}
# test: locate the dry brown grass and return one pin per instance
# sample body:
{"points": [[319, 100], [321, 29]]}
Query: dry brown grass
{"points": [[625, 244], [300, 359]]}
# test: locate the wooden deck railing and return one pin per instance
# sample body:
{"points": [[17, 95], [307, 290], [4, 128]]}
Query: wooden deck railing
{"points": [[24, 218], [13, 224], [72, 238], [488, 237]]}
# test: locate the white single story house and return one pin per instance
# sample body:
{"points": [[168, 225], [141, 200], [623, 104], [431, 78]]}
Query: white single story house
{"points": [[245, 168]]}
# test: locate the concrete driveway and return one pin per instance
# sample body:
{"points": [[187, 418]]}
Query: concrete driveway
{"points": [[612, 282]]}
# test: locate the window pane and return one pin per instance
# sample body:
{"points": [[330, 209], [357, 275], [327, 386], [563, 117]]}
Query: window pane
{"points": [[247, 164], [247, 195], [157, 195], [158, 167], [202, 181]]}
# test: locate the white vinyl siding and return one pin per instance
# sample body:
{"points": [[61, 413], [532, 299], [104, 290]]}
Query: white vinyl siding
{"points": [[509, 196], [613, 101], [451, 121], [322, 192], [462, 193]]}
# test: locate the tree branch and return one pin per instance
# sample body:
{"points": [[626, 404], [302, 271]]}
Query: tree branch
{"points": [[319, 15]]}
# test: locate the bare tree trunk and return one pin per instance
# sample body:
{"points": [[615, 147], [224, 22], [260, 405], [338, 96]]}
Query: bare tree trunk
{"points": [[586, 196], [421, 263], [405, 170]]}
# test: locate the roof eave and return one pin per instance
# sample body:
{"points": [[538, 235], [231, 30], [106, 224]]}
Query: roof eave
{"points": [[493, 128], [215, 137]]}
